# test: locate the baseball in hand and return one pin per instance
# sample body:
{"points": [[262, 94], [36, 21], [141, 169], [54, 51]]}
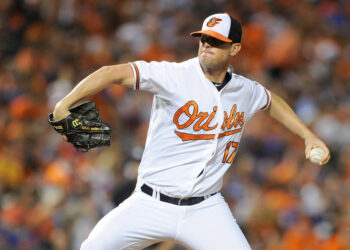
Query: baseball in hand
{"points": [[316, 155]]}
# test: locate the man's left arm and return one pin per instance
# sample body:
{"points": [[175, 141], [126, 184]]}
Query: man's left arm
{"points": [[281, 111]]}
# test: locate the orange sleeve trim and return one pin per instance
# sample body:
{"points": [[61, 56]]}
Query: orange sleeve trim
{"points": [[268, 100], [137, 85]]}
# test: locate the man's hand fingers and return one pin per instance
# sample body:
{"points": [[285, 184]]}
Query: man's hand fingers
{"points": [[65, 137], [314, 142], [325, 159], [326, 156], [307, 152]]}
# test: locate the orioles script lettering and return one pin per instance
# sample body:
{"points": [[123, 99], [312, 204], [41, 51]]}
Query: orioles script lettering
{"points": [[202, 121]]}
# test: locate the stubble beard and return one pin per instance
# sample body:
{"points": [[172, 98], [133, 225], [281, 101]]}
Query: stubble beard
{"points": [[209, 64]]}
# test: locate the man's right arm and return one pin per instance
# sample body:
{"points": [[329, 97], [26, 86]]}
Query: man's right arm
{"points": [[280, 111], [120, 74]]}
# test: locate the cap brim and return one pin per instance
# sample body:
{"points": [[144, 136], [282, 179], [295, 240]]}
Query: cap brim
{"points": [[213, 34]]}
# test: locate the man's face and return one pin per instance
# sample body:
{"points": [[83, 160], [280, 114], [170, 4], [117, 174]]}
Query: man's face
{"points": [[214, 53]]}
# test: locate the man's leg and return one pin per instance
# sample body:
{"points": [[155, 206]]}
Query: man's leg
{"points": [[210, 225], [136, 223]]}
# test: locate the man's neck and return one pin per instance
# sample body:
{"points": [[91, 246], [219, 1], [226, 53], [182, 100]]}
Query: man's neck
{"points": [[215, 75]]}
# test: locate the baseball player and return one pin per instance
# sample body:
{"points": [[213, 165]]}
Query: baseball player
{"points": [[200, 109]]}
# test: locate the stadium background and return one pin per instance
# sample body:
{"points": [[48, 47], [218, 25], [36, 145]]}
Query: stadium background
{"points": [[51, 196]]}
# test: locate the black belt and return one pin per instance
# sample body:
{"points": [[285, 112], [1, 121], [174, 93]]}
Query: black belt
{"points": [[181, 202]]}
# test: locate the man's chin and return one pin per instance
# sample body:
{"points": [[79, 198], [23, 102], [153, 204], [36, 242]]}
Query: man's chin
{"points": [[206, 62]]}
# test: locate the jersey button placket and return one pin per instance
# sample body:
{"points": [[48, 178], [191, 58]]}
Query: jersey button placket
{"points": [[220, 115]]}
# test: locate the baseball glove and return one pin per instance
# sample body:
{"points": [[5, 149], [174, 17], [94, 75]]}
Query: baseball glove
{"points": [[83, 127]]}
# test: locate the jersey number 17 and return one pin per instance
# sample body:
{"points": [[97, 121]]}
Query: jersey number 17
{"points": [[229, 153]]}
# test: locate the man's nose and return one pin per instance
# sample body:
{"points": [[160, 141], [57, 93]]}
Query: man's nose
{"points": [[206, 45]]}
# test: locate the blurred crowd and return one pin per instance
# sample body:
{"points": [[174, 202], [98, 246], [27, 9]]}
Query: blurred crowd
{"points": [[51, 196]]}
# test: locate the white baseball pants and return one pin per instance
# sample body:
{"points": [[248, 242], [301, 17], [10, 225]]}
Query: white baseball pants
{"points": [[142, 220]]}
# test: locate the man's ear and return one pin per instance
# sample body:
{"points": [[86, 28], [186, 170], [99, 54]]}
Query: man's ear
{"points": [[235, 48]]}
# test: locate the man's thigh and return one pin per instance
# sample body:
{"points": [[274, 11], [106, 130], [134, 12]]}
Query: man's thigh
{"points": [[136, 223], [210, 226]]}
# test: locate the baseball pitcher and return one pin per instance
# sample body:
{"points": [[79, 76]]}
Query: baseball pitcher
{"points": [[200, 109]]}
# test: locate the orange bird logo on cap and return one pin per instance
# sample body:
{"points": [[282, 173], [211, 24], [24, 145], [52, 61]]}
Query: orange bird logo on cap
{"points": [[213, 21]]}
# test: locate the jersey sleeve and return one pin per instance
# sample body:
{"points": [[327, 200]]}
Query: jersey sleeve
{"points": [[154, 77], [260, 98]]}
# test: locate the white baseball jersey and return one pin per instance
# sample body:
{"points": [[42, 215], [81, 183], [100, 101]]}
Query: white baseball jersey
{"points": [[194, 129]]}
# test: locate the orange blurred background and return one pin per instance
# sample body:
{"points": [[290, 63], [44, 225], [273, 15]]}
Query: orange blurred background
{"points": [[51, 196]]}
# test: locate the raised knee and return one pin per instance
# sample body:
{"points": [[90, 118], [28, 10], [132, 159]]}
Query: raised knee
{"points": [[102, 243], [90, 244], [86, 245]]}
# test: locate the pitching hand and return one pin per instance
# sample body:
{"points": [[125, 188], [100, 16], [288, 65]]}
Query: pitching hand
{"points": [[312, 141]]}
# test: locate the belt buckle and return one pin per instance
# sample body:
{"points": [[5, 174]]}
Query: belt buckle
{"points": [[179, 202]]}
